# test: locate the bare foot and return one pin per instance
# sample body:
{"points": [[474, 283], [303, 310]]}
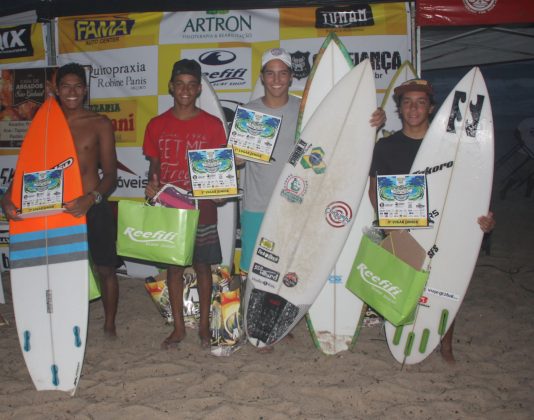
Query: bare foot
{"points": [[172, 341], [205, 341], [265, 349], [110, 332]]}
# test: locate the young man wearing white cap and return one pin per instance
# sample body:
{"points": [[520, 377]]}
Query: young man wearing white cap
{"points": [[260, 179], [395, 154]]}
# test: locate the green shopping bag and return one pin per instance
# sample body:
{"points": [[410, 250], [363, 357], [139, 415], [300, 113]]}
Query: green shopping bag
{"points": [[159, 234], [386, 283]]}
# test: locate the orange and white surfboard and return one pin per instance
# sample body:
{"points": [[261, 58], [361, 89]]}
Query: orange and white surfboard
{"points": [[49, 261]]}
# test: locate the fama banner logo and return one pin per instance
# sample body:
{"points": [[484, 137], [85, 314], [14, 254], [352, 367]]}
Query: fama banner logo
{"points": [[86, 30], [344, 17], [16, 42], [384, 285], [147, 237]]}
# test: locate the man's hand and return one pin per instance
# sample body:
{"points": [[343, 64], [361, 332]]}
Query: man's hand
{"points": [[378, 118], [152, 187], [80, 206], [9, 209], [239, 162], [487, 223]]}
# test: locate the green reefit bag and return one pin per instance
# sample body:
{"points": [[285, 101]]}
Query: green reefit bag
{"points": [[158, 234], [386, 283]]}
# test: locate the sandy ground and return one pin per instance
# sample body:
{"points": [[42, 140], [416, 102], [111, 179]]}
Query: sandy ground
{"points": [[132, 378]]}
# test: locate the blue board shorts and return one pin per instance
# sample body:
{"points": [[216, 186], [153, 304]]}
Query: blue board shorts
{"points": [[250, 227]]}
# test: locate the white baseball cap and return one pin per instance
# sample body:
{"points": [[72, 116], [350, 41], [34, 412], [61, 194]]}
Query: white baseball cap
{"points": [[276, 54]]}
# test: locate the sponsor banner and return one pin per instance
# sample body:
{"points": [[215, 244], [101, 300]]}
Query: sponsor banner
{"points": [[132, 173], [22, 91], [120, 73], [22, 46], [128, 117], [219, 26], [106, 32], [131, 56], [385, 52], [303, 52], [473, 12], [355, 20], [225, 68]]}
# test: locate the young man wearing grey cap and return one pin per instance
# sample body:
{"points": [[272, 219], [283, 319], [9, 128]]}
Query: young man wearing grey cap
{"points": [[260, 179], [168, 137], [395, 154]]}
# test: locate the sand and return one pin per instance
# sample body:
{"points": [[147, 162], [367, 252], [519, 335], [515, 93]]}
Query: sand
{"points": [[132, 378]]}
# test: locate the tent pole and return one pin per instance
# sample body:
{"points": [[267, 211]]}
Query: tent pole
{"points": [[51, 58]]}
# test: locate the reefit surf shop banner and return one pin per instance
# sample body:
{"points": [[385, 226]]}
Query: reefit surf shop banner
{"points": [[473, 12], [131, 57]]}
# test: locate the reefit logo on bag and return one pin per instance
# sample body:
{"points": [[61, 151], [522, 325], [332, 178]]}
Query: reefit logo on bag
{"points": [[385, 285], [160, 236], [479, 6]]}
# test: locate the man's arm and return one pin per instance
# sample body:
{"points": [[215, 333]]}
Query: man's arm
{"points": [[372, 191], [107, 159]]}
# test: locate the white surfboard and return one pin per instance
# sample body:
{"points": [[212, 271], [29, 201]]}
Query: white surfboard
{"points": [[312, 207], [335, 318], [226, 213], [457, 156]]}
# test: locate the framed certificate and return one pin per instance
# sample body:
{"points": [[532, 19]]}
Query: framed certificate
{"points": [[213, 173], [42, 193], [402, 201], [253, 134]]}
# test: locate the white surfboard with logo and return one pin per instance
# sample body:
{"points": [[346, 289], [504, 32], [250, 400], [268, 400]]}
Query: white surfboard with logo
{"points": [[312, 207], [457, 156], [336, 316]]}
